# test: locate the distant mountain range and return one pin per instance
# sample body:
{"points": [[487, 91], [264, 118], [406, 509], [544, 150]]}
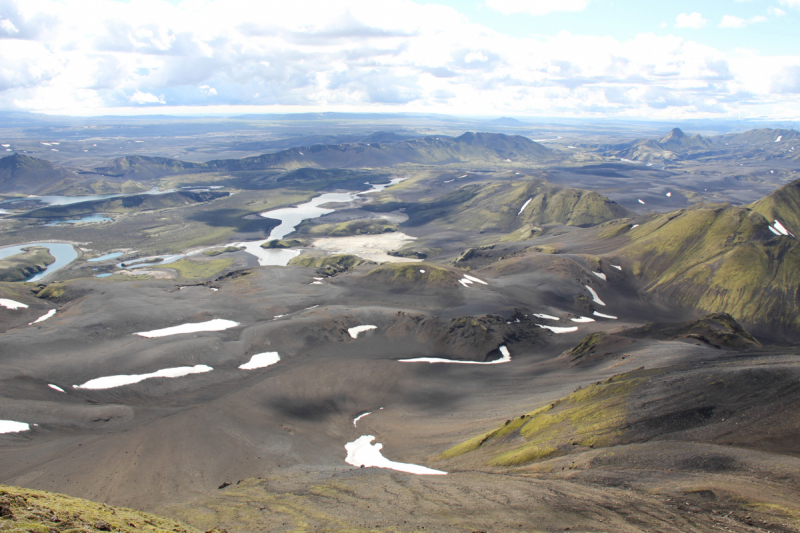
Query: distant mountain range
{"points": [[676, 145], [24, 174]]}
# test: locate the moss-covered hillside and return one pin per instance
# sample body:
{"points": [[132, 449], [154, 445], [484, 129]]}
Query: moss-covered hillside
{"points": [[498, 207], [36, 511], [718, 259]]}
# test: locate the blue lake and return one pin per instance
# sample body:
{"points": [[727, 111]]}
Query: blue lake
{"points": [[105, 257], [86, 219]]}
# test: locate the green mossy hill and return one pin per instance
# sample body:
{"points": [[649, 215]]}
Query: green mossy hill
{"points": [[589, 417], [128, 204], [782, 204], [219, 251], [595, 347], [719, 330], [330, 265], [407, 275], [188, 269], [36, 511], [367, 226], [496, 208], [719, 259], [97, 187], [146, 168], [282, 243], [24, 174], [53, 291], [22, 266]]}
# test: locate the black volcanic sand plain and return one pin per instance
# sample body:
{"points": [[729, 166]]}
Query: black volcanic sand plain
{"points": [[671, 417]]}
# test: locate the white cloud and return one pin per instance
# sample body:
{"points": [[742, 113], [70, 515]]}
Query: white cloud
{"points": [[776, 11], [729, 21], [104, 56], [694, 20], [790, 3], [8, 27], [536, 7], [146, 98]]}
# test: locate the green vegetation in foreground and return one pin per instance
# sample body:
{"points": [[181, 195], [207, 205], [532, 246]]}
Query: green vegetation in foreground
{"points": [[330, 265], [282, 243], [22, 266], [188, 269], [36, 511], [593, 417], [367, 226], [219, 251]]}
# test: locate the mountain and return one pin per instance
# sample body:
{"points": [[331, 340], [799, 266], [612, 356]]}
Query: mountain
{"points": [[24, 174], [765, 136], [468, 148], [127, 204], [146, 168], [719, 259], [510, 207], [782, 205], [674, 145]]}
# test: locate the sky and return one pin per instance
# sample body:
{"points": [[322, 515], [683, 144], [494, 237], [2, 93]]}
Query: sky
{"points": [[522, 58]]}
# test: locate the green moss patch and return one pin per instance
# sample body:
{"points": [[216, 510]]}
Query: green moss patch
{"points": [[25, 510], [189, 269]]}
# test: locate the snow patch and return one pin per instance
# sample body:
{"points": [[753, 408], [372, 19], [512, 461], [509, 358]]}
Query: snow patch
{"points": [[635, 226], [546, 317], [55, 387], [503, 350], [359, 417], [464, 282], [669, 195], [601, 315], [217, 324], [641, 201], [582, 320], [9, 426], [11, 304], [779, 227], [261, 360], [43, 317], [524, 206], [773, 230], [359, 329], [476, 280], [361, 452], [109, 382], [559, 330], [617, 267], [595, 297], [779, 138], [600, 275]]}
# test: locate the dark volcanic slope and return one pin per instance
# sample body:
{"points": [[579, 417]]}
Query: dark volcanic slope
{"points": [[24, 174], [476, 148]]}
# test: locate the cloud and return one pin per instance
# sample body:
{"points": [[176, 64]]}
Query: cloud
{"points": [[694, 20], [146, 98], [730, 21], [776, 11], [790, 3], [787, 81], [392, 55], [536, 7]]}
